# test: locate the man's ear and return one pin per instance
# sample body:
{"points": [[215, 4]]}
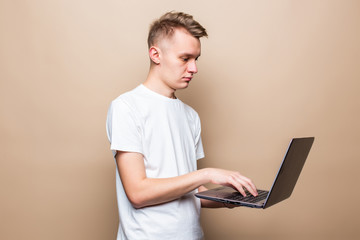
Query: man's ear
{"points": [[154, 54]]}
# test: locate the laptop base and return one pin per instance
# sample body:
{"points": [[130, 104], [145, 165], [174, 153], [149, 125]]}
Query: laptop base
{"points": [[231, 196]]}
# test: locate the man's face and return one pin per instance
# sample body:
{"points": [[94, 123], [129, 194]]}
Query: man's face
{"points": [[178, 59]]}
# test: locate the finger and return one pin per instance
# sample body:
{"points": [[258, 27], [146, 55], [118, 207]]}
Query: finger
{"points": [[247, 183], [241, 186], [252, 189], [237, 185]]}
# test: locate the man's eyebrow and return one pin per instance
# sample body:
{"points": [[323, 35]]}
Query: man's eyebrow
{"points": [[191, 55]]}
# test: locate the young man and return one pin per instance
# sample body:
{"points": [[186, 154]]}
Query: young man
{"points": [[155, 139]]}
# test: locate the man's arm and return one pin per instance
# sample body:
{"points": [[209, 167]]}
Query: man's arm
{"points": [[142, 191]]}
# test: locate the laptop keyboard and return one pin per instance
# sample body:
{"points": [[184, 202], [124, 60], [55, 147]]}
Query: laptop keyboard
{"points": [[249, 198]]}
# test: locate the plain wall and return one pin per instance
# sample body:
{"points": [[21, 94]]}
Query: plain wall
{"points": [[269, 71]]}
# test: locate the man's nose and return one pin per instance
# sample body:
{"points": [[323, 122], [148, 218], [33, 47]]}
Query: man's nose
{"points": [[192, 68]]}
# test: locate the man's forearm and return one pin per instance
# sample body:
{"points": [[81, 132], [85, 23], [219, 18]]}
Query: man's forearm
{"points": [[153, 191], [143, 191]]}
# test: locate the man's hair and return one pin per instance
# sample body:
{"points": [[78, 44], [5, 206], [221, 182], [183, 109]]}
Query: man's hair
{"points": [[166, 24]]}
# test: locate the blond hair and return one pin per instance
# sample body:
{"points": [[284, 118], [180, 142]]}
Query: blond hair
{"points": [[166, 24]]}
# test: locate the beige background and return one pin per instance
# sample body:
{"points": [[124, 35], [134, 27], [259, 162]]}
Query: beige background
{"points": [[270, 70]]}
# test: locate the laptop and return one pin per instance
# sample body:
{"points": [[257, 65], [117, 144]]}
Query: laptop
{"points": [[283, 184]]}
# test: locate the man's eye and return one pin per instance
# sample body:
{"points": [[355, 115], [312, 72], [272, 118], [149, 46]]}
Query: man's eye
{"points": [[185, 59]]}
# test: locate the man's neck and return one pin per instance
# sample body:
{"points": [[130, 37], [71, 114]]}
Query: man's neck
{"points": [[153, 83]]}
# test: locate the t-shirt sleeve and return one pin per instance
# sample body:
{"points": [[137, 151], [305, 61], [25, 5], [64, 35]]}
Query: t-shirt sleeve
{"points": [[123, 128], [198, 142]]}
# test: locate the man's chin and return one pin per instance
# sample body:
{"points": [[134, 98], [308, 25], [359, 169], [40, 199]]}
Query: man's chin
{"points": [[184, 85]]}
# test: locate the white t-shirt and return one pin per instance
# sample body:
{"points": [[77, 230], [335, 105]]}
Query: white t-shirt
{"points": [[167, 132]]}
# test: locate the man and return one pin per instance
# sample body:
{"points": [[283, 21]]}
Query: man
{"points": [[155, 139]]}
